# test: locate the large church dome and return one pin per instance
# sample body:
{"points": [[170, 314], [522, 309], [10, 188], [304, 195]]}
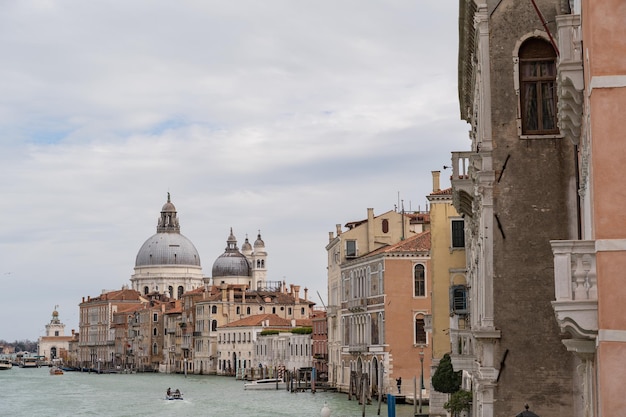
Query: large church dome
{"points": [[167, 249], [231, 262], [167, 246]]}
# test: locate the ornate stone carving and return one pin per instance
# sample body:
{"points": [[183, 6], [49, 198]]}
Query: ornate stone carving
{"points": [[570, 109]]}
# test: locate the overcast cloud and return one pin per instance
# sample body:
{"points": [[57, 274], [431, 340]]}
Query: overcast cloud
{"points": [[286, 117]]}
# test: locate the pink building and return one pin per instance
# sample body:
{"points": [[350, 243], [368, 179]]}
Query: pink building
{"points": [[589, 290]]}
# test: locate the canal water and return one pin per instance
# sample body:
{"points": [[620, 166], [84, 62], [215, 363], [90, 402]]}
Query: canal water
{"points": [[34, 392]]}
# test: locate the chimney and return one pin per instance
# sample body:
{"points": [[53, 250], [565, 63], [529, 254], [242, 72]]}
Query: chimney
{"points": [[330, 237], [436, 185], [306, 294], [296, 293], [338, 227]]}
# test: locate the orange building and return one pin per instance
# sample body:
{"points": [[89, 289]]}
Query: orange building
{"points": [[383, 299]]}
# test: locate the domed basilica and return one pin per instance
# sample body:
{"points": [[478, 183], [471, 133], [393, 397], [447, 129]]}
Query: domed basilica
{"points": [[168, 262]]}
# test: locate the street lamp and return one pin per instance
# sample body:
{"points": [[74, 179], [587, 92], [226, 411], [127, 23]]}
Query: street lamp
{"points": [[421, 377]]}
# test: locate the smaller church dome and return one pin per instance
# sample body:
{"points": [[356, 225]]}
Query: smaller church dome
{"points": [[231, 262]]}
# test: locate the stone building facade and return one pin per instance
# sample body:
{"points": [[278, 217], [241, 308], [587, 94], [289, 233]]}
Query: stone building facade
{"points": [[516, 188]]}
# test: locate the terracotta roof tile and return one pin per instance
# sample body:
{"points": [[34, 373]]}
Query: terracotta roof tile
{"points": [[415, 243], [447, 191], [258, 319]]}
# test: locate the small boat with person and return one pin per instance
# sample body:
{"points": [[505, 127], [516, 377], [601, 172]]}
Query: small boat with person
{"points": [[173, 394], [266, 384], [55, 370]]}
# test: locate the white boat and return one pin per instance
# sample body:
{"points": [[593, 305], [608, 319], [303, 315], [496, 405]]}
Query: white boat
{"points": [[5, 364], [29, 362], [265, 384], [173, 395]]}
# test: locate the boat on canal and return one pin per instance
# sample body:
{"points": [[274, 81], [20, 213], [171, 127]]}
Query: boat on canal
{"points": [[55, 370], [266, 384], [29, 362], [5, 364], [173, 395]]}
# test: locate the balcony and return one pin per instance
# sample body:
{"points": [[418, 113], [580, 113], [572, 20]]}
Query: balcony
{"points": [[462, 352], [357, 304], [462, 186], [358, 348], [575, 287]]}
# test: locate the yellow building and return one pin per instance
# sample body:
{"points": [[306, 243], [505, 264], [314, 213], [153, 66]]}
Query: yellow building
{"points": [[449, 287]]}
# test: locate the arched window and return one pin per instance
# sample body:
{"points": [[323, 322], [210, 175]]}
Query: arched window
{"points": [[213, 309], [419, 281], [154, 331], [180, 291], [170, 290], [213, 325], [385, 224], [146, 290], [537, 87], [248, 310], [155, 349], [238, 310]]}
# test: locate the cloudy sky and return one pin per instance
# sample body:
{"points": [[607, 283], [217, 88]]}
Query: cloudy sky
{"points": [[282, 116]]}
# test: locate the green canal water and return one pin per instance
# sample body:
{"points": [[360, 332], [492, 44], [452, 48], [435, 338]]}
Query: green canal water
{"points": [[34, 392]]}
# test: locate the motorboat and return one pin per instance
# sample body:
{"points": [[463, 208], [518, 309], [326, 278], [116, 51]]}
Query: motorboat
{"points": [[55, 370], [5, 364], [266, 384], [173, 394]]}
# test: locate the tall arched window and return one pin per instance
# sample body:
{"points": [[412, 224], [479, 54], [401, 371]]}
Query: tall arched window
{"points": [[146, 290], [419, 276], [180, 292], [537, 82]]}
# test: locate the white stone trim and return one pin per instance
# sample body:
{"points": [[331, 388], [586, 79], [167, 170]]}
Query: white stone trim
{"points": [[608, 81], [610, 245], [611, 335]]}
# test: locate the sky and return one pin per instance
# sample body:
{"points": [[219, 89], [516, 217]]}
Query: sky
{"points": [[280, 116]]}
